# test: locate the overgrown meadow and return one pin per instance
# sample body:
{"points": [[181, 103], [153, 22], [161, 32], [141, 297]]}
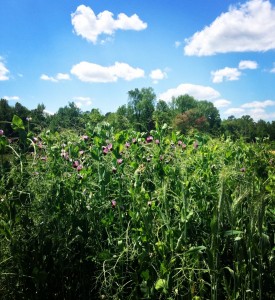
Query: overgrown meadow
{"points": [[130, 215]]}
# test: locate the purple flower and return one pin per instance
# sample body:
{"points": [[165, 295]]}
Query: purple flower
{"points": [[196, 145], [28, 119], [134, 140], [81, 152], [110, 147], [113, 203], [120, 161], [157, 142], [149, 139], [79, 168], [75, 164], [184, 146], [105, 150], [44, 158], [127, 145], [85, 137], [243, 169], [179, 143], [1, 132]]}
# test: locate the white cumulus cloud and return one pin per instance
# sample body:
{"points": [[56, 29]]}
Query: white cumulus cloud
{"points": [[227, 73], [157, 75], [246, 27], [255, 109], [199, 92], [58, 77], [3, 71], [90, 72], [89, 25], [82, 101], [248, 64]]}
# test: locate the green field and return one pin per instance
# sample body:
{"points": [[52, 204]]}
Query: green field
{"points": [[131, 215]]}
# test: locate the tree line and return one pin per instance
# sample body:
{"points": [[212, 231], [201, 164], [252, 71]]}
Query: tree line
{"points": [[141, 113]]}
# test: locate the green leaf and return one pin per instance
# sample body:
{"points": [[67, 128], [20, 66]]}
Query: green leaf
{"points": [[145, 274], [160, 284], [17, 123], [232, 232]]}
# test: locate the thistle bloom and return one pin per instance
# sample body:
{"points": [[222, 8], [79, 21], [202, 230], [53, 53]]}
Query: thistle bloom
{"points": [[157, 142], [75, 164], [134, 140], [1, 132], [127, 145], [242, 169], [149, 139], [79, 168], [85, 137], [119, 161], [113, 203], [196, 145]]}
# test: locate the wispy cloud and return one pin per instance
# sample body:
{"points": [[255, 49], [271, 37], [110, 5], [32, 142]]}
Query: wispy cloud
{"points": [[90, 72], [248, 64], [89, 25], [227, 74], [199, 92], [221, 103], [11, 98], [246, 27], [58, 77], [3, 71]]}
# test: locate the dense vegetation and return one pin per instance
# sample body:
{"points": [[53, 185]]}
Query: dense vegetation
{"points": [[135, 208], [142, 113]]}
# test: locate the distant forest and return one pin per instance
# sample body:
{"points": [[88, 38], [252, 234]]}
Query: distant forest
{"points": [[141, 113]]}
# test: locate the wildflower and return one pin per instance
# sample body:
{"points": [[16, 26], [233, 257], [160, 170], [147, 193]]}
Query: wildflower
{"points": [[79, 168], [113, 203], [44, 158], [161, 157], [1, 132], [81, 152], [134, 140], [120, 161], [105, 150], [85, 137], [149, 203], [149, 139], [196, 145], [75, 164], [127, 145], [183, 146], [179, 143], [114, 170], [110, 147], [28, 119], [157, 142], [243, 169]]}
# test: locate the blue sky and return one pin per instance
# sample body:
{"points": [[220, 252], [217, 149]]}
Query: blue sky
{"points": [[94, 52]]}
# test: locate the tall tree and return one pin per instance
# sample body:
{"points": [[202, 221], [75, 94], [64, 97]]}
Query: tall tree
{"points": [[141, 106]]}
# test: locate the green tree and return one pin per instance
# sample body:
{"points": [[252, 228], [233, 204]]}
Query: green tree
{"points": [[140, 109], [162, 113]]}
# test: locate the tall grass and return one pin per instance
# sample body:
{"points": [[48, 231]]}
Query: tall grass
{"points": [[165, 217]]}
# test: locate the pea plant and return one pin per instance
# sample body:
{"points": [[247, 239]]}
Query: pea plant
{"points": [[131, 215]]}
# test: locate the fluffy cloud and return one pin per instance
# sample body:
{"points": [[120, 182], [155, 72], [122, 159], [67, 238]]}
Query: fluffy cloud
{"points": [[82, 101], [3, 71], [228, 74], [247, 27], [199, 92], [58, 77], [89, 25], [90, 72], [255, 109], [248, 64], [157, 75]]}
